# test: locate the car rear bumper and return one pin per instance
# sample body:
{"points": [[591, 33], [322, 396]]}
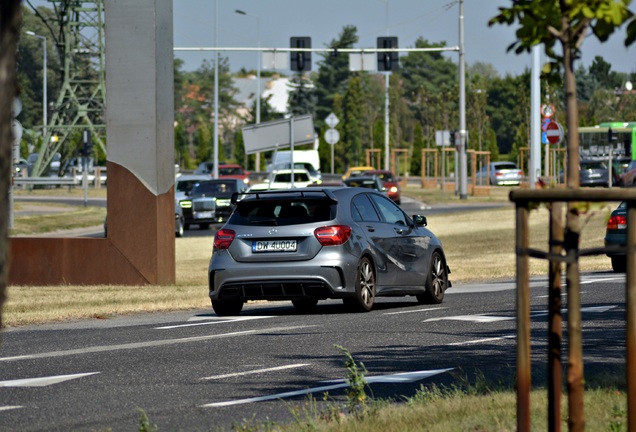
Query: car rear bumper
{"points": [[278, 281]]}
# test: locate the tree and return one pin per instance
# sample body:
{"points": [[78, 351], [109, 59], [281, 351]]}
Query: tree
{"points": [[302, 98], [333, 72], [10, 20], [352, 124], [567, 24]]}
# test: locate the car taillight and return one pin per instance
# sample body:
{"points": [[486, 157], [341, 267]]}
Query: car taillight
{"points": [[332, 235], [223, 238], [521, 173], [617, 222]]}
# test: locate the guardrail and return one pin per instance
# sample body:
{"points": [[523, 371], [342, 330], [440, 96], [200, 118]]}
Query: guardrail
{"points": [[46, 181]]}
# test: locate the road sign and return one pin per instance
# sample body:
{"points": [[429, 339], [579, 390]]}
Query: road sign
{"points": [[332, 120], [547, 110], [554, 132], [332, 136]]}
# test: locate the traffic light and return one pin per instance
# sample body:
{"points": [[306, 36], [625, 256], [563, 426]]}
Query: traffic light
{"points": [[300, 60], [388, 61]]}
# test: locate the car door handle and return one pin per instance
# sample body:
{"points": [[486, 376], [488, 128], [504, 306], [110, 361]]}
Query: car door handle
{"points": [[370, 228]]}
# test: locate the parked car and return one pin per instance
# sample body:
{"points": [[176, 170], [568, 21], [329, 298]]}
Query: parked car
{"points": [[390, 184], [593, 173], [628, 179], [366, 181], [234, 171], [501, 174], [312, 244], [184, 183], [209, 202], [356, 171], [616, 235]]}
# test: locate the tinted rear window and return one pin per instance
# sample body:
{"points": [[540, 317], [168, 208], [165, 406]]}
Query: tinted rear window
{"points": [[505, 166], [282, 212]]}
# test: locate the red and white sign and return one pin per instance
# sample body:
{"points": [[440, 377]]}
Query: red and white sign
{"points": [[554, 132]]}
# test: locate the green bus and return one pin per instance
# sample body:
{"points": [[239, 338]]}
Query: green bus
{"points": [[595, 142]]}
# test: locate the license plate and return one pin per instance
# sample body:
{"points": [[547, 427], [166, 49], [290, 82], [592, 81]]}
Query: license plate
{"points": [[275, 246], [204, 215]]}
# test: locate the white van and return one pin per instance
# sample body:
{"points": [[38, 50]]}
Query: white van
{"points": [[303, 159]]}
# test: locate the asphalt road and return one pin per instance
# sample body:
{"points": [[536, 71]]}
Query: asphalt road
{"points": [[196, 371]]}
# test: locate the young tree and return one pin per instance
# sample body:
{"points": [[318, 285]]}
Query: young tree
{"points": [[567, 24]]}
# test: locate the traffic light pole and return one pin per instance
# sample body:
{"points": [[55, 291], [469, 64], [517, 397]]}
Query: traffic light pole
{"points": [[462, 108]]}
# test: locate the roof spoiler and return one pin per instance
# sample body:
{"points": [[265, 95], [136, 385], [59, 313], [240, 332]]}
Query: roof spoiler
{"points": [[286, 193]]}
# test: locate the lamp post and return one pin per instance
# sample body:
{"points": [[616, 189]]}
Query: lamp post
{"points": [[44, 91], [258, 75]]}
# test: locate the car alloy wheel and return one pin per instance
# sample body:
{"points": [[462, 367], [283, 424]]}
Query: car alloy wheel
{"points": [[436, 282], [365, 288]]}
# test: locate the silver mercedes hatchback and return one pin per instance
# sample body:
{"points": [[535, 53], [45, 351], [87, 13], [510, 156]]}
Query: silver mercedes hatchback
{"points": [[311, 244]]}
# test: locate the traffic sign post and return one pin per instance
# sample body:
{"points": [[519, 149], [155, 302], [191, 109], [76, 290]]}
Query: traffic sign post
{"points": [[554, 132]]}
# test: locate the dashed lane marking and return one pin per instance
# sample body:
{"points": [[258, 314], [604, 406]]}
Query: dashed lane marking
{"points": [[43, 381], [148, 344], [416, 310], [257, 371], [10, 407], [476, 341], [201, 321]]}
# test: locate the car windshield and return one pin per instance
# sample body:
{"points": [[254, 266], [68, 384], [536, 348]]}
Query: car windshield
{"points": [[230, 171], [286, 177], [369, 183], [214, 187], [505, 166], [281, 212], [186, 185], [593, 165]]}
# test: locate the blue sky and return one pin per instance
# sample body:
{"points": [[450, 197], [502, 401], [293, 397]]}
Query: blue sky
{"points": [[434, 20], [323, 20]]}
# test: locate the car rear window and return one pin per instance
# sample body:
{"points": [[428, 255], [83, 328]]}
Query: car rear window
{"points": [[286, 177], [506, 166], [282, 212], [592, 165]]}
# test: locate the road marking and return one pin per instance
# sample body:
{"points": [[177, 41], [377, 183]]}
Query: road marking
{"points": [[393, 378], [43, 381], [476, 341], [257, 371], [473, 318], [149, 344], [210, 320], [416, 310], [589, 281], [10, 407]]}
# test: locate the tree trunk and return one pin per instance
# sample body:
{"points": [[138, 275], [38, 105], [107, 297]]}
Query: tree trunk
{"points": [[10, 17], [576, 416]]}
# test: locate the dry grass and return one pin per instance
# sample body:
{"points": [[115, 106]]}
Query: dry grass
{"points": [[479, 246]]}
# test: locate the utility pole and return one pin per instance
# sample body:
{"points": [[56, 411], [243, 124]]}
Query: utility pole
{"points": [[216, 91], [462, 107]]}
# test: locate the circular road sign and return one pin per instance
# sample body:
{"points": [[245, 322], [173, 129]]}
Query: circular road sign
{"points": [[554, 132], [547, 110], [332, 136]]}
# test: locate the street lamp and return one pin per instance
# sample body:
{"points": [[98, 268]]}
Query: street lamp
{"points": [[258, 75], [44, 91]]}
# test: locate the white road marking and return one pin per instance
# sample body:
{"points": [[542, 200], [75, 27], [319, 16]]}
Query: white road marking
{"points": [[589, 281], [473, 318], [476, 341], [43, 381], [416, 310], [149, 344], [226, 319], [401, 377], [10, 407], [257, 371], [210, 320]]}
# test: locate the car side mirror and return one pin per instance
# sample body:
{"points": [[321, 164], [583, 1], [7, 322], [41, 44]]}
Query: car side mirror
{"points": [[419, 220]]}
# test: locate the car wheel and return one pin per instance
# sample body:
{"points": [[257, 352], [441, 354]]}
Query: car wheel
{"points": [[305, 304], [227, 307], [365, 288], [436, 281], [619, 264], [179, 231]]}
